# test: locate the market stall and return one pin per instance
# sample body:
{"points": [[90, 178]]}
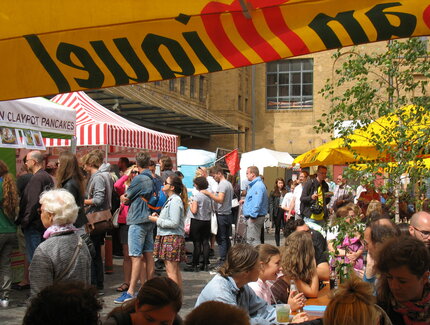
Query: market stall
{"points": [[97, 126], [24, 122]]}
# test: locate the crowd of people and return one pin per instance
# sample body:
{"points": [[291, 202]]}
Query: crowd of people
{"points": [[55, 219]]}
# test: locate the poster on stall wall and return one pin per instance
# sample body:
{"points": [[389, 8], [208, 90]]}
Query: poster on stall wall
{"points": [[32, 140], [9, 138]]}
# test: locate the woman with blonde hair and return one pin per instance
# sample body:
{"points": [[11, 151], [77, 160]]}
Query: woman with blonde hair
{"points": [[8, 204], [298, 263], [120, 187], [353, 303], [169, 244]]}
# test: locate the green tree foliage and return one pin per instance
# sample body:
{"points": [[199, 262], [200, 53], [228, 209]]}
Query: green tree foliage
{"points": [[365, 87]]}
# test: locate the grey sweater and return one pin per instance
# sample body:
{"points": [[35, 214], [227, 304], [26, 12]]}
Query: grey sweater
{"points": [[99, 189], [53, 256]]}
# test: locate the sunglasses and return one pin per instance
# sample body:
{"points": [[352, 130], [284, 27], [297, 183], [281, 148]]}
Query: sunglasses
{"points": [[135, 172], [165, 183]]}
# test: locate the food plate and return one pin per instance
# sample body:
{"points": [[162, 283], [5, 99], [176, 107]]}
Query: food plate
{"points": [[8, 135], [28, 137]]}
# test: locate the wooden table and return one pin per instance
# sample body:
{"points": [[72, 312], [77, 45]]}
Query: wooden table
{"points": [[322, 300], [323, 297]]}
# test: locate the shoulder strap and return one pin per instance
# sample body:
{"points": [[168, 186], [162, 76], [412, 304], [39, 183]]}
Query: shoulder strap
{"points": [[72, 261]]}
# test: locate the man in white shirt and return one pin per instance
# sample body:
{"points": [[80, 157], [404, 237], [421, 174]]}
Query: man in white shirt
{"points": [[295, 202], [343, 194], [223, 198]]}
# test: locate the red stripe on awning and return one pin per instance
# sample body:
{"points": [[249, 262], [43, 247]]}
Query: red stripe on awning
{"points": [[111, 128]]}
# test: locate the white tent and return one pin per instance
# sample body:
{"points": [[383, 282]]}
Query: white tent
{"points": [[264, 158], [188, 160], [194, 157]]}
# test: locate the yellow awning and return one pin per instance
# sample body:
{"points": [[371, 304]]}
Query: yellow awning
{"points": [[51, 46]]}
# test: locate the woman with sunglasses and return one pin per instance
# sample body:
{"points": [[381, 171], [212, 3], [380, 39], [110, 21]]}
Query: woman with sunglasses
{"points": [[169, 244], [120, 187]]}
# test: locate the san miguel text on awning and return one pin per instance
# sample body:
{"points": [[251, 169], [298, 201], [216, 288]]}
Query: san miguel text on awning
{"points": [[192, 37]]}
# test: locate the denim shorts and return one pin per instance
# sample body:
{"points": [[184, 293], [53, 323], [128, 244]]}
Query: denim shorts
{"points": [[140, 239]]}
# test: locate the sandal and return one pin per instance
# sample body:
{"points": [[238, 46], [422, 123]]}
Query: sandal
{"points": [[123, 287]]}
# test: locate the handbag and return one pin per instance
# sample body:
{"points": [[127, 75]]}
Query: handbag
{"points": [[214, 221], [234, 203], [99, 222], [115, 217], [214, 224]]}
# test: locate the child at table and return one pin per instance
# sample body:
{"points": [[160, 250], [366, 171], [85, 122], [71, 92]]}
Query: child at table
{"points": [[269, 260], [298, 264]]}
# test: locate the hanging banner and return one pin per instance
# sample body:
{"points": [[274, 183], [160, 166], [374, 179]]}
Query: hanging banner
{"points": [[38, 114], [51, 47]]}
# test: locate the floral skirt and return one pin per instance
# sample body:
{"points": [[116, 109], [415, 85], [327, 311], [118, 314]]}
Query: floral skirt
{"points": [[170, 248]]}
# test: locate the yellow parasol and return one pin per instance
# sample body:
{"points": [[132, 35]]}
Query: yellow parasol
{"points": [[362, 141]]}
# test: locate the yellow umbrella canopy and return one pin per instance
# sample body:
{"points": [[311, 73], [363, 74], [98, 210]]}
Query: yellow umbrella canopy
{"points": [[336, 152], [51, 46], [362, 141]]}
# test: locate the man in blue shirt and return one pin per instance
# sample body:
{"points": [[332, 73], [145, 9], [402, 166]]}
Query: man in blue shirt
{"points": [[140, 231], [255, 206]]}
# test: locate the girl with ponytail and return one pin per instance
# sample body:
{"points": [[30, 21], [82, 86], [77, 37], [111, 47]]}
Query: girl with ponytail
{"points": [[169, 244], [8, 210]]}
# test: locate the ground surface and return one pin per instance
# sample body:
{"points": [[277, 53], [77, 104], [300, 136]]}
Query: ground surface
{"points": [[193, 284]]}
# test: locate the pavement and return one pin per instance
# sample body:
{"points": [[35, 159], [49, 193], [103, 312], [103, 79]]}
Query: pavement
{"points": [[193, 284]]}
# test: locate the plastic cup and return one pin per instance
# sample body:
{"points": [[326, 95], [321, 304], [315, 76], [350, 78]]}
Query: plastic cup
{"points": [[282, 313]]}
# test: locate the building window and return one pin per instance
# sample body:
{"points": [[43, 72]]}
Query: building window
{"points": [[157, 83], [192, 86], [201, 88], [172, 84], [290, 84], [239, 103], [182, 86]]}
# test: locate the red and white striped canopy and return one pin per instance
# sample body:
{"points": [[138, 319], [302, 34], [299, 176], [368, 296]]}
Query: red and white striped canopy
{"points": [[96, 125]]}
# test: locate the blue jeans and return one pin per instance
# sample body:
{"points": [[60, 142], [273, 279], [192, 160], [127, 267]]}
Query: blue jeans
{"points": [[223, 235], [140, 239], [33, 238]]}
